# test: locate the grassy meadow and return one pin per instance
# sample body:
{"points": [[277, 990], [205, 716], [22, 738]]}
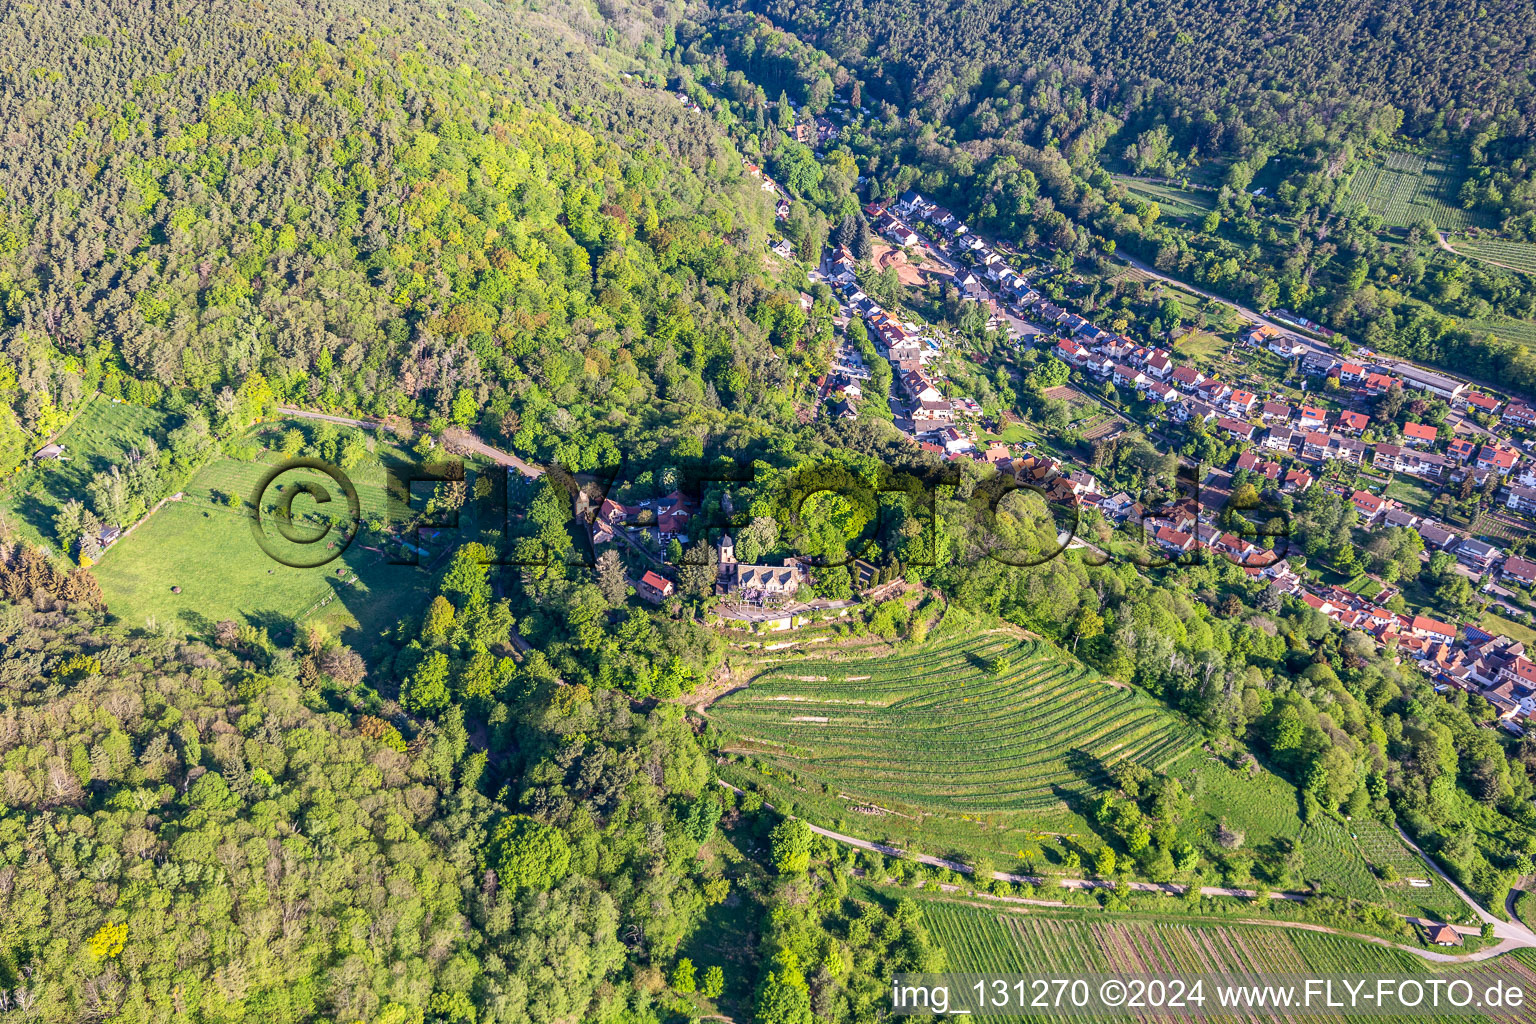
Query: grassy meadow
{"points": [[204, 545], [101, 436]]}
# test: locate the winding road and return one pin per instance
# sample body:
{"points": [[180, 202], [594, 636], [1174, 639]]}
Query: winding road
{"points": [[467, 440], [1513, 934]]}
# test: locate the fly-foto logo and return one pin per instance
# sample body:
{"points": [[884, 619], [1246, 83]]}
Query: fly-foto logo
{"points": [[308, 513]]}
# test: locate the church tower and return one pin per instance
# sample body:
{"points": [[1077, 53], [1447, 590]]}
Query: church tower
{"points": [[727, 557]]}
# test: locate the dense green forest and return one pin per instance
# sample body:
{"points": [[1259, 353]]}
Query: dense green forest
{"points": [[432, 218], [465, 216]]}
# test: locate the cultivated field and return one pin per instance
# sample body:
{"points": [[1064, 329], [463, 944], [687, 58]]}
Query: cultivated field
{"points": [[1522, 331], [978, 940], [1402, 188], [931, 744], [1514, 255], [1172, 200]]}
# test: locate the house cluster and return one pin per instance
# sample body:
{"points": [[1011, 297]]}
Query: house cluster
{"points": [[1307, 436], [815, 132], [991, 280], [666, 517], [839, 392], [1185, 526], [910, 350], [1130, 365], [779, 192], [1304, 431]]}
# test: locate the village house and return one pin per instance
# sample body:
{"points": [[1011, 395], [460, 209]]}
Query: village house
{"points": [[1479, 402], [1314, 446], [1070, 352], [1435, 536], [1419, 434], [1461, 449], [1250, 462], [1517, 684], [1187, 378], [1296, 481], [1348, 450], [1309, 417], [1497, 458], [655, 587], [1284, 347], [1351, 422], [1518, 414], [1271, 411], [1281, 439], [1369, 505], [1238, 430], [1476, 554], [1318, 364], [1239, 402], [935, 409], [1521, 499], [1128, 376], [1519, 569], [1432, 465], [756, 583], [1387, 457], [901, 234], [1213, 391], [1421, 625], [1175, 541], [911, 204], [1379, 383]]}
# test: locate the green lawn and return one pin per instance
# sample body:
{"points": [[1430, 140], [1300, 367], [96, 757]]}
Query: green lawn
{"points": [[210, 552], [1365, 586], [1411, 492], [1201, 347], [1494, 623], [102, 436]]}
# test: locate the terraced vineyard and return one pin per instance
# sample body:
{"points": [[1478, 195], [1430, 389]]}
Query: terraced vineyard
{"points": [[935, 736], [1513, 330], [1515, 255], [1402, 188], [1380, 846], [978, 940]]}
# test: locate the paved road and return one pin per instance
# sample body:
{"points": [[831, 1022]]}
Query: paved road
{"points": [[1514, 935], [1310, 344], [474, 444]]}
